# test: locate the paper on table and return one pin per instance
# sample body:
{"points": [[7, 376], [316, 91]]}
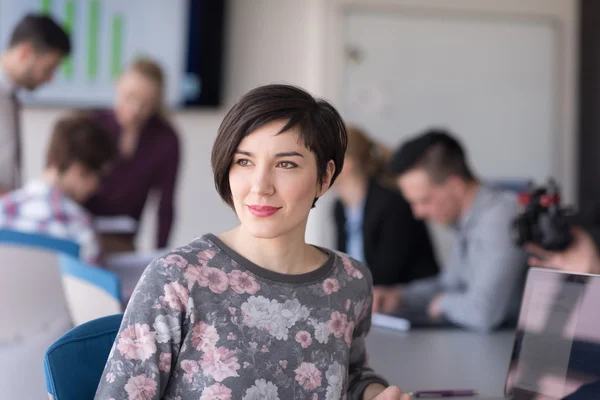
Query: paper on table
{"points": [[115, 224], [386, 321]]}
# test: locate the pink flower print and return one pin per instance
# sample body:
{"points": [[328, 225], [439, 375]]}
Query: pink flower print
{"points": [[232, 310], [176, 296], [192, 273], [213, 278], [315, 396], [204, 336], [110, 377], [220, 363], [246, 364], [165, 362], [205, 256], [304, 339], [231, 336], [216, 392], [353, 272], [349, 333], [191, 368], [283, 364], [348, 304], [242, 282], [253, 345], [174, 259], [331, 285], [140, 387], [337, 324], [137, 342], [308, 375], [264, 349]]}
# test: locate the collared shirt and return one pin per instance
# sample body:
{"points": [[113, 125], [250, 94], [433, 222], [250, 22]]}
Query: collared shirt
{"points": [[483, 279], [39, 207], [9, 134], [354, 228]]}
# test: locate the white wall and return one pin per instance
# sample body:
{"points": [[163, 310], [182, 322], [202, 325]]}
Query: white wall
{"points": [[299, 42]]}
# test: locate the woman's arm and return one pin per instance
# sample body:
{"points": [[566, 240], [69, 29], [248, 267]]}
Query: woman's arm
{"points": [[150, 336]]}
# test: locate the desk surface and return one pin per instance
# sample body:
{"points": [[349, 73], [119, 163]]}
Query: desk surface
{"points": [[439, 359]]}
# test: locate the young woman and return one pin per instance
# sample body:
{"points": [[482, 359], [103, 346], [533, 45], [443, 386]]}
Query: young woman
{"points": [[374, 223], [255, 312], [149, 154]]}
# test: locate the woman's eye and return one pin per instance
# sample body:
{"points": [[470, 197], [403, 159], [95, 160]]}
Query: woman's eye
{"points": [[242, 162], [287, 165]]}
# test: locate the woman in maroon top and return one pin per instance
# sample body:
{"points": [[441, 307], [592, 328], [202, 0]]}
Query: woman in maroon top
{"points": [[149, 148]]}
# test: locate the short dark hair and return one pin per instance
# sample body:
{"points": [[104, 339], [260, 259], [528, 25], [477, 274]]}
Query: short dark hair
{"points": [[320, 126], [436, 151], [43, 33], [81, 139]]}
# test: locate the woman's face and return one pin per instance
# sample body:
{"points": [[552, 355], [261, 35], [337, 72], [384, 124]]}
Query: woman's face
{"points": [[273, 180], [137, 99]]}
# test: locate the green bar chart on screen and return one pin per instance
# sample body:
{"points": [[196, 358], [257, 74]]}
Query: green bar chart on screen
{"points": [[68, 24], [46, 6], [116, 57], [93, 42]]}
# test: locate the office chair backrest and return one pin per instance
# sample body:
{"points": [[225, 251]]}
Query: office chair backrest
{"points": [[40, 241], [91, 292], [74, 363]]}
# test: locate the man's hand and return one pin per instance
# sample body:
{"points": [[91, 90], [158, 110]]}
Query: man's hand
{"points": [[435, 309], [581, 256], [377, 391], [386, 299]]}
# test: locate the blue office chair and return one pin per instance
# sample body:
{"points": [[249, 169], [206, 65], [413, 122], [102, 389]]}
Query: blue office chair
{"points": [[40, 241], [73, 365], [91, 292]]}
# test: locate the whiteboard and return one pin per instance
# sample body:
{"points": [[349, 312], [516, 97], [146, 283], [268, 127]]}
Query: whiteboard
{"points": [[106, 36], [489, 79]]}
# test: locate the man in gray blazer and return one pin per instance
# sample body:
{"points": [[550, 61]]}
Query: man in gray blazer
{"points": [[480, 286], [35, 49]]}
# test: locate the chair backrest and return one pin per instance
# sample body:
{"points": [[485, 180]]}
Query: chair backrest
{"points": [[31, 292], [39, 240], [74, 363], [33, 314], [91, 292]]}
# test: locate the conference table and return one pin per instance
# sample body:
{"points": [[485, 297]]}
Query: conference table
{"points": [[441, 358]]}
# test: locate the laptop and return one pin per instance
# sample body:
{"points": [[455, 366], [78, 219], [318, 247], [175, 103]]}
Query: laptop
{"points": [[556, 353]]}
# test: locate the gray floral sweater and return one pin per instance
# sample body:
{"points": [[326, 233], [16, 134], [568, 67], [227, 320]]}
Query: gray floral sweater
{"points": [[205, 323]]}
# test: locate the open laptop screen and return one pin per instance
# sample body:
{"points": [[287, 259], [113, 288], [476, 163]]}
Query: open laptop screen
{"points": [[557, 345]]}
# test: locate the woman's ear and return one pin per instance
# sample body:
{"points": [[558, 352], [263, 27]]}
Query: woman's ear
{"points": [[326, 182]]}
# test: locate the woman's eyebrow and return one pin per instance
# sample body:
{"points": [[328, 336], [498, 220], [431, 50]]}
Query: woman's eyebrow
{"points": [[289, 154], [278, 155]]}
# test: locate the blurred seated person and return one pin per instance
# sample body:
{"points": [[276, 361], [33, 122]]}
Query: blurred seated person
{"points": [[481, 285], [80, 152], [149, 155], [374, 223]]}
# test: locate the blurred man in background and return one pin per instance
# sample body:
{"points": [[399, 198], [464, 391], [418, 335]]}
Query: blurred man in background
{"points": [[35, 49], [480, 286], [80, 153]]}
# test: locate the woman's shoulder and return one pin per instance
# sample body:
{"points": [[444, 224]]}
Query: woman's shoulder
{"points": [[197, 252], [352, 268]]}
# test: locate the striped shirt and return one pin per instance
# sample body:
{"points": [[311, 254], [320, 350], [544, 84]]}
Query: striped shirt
{"points": [[39, 207], [483, 280]]}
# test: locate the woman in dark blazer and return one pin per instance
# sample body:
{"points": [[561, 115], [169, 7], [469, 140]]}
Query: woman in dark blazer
{"points": [[374, 223]]}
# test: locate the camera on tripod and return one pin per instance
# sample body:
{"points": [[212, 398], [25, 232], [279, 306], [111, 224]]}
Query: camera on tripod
{"points": [[542, 220]]}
